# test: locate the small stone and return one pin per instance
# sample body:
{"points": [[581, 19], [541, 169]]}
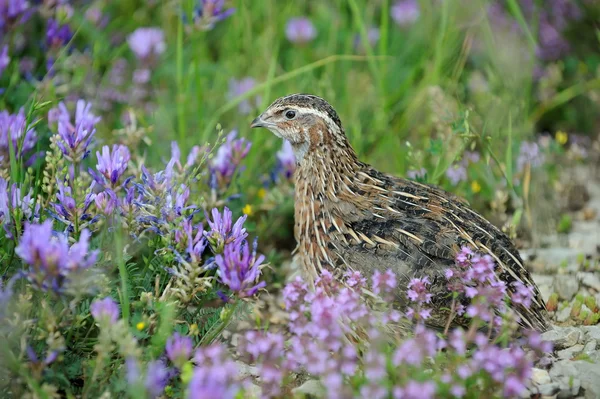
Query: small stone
{"points": [[592, 332], [311, 388], [569, 353], [590, 346], [565, 374], [540, 376], [564, 314], [566, 286], [589, 374], [544, 283], [551, 259], [549, 390], [588, 214], [562, 337], [245, 370], [590, 280]]}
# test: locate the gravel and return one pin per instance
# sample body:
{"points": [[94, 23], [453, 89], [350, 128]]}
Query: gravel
{"points": [[575, 369]]}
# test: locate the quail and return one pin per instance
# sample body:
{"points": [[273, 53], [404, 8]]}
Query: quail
{"points": [[350, 216]]}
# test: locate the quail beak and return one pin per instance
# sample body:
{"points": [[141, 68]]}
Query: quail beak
{"points": [[258, 122]]}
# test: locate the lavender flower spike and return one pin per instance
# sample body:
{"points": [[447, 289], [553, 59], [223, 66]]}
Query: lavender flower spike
{"points": [[156, 378], [147, 42], [286, 159], [209, 12], [74, 138], [228, 158], [179, 349], [221, 231], [300, 30], [4, 59], [50, 257], [405, 12], [216, 375], [112, 165], [106, 202], [238, 88], [12, 132], [239, 269], [105, 309]]}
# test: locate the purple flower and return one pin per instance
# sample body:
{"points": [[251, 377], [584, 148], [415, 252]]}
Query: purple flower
{"points": [[66, 208], [238, 88], [215, 375], [384, 284], [286, 159], [112, 165], [105, 309], [375, 365], [300, 30], [458, 391], [529, 154], [57, 35], [522, 294], [372, 37], [417, 290], [266, 350], [33, 357], [464, 256], [14, 199], [147, 42], [209, 12], [416, 390], [176, 155], [132, 371], [194, 244], [141, 76], [509, 366], [74, 138], [106, 202], [14, 11], [355, 280], [12, 131], [221, 232], [405, 12], [471, 156], [50, 258], [456, 173], [4, 59], [93, 14], [179, 349], [156, 378], [228, 158], [175, 202], [239, 269], [416, 174]]}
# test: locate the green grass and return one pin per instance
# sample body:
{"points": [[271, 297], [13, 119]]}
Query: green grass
{"points": [[380, 97]]}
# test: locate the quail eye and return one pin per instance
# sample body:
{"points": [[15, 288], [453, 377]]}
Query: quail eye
{"points": [[290, 114]]}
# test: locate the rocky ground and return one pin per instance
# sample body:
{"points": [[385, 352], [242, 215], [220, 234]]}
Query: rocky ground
{"points": [[567, 269]]}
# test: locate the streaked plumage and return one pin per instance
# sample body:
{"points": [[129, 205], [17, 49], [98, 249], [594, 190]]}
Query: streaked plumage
{"points": [[349, 216]]}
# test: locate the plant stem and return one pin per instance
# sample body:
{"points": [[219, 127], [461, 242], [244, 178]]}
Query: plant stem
{"points": [[215, 331]]}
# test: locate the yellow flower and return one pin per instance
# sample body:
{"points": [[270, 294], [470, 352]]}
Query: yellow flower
{"points": [[261, 193], [194, 329], [247, 210], [561, 137], [140, 326], [475, 186]]}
